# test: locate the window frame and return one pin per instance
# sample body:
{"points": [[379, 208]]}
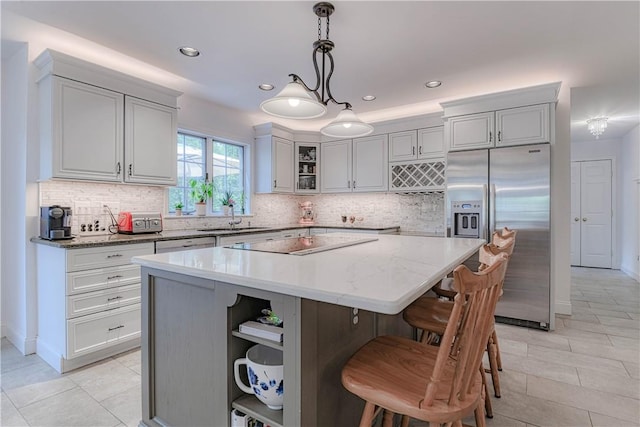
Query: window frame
{"points": [[208, 165]]}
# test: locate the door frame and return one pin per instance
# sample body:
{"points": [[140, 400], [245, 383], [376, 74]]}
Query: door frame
{"points": [[615, 263]]}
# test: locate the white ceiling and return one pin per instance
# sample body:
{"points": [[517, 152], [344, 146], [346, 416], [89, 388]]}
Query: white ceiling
{"points": [[388, 49]]}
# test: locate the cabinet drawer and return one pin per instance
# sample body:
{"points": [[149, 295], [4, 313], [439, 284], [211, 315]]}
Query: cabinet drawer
{"points": [[102, 278], [105, 256], [94, 302], [94, 332]]}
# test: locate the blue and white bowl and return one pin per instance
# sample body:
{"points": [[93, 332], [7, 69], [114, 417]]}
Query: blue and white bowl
{"points": [[265, 373]]}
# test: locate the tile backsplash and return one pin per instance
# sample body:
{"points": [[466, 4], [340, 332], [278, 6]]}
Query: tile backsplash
{"points": [[414, 212]]}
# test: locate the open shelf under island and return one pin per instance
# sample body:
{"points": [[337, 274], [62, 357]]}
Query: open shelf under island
{"points": [[194, 301]]}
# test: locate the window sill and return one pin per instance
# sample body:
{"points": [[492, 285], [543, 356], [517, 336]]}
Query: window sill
{"points": [[214, 215]]}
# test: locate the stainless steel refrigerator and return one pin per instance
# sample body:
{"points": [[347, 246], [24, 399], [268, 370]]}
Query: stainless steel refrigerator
{"points": [[492, 188]]}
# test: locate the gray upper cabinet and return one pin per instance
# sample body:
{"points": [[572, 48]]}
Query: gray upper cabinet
{"points": [[274, 165], [150, 142], [101, 125], [81, 131], [513, 126], [427, 143]]}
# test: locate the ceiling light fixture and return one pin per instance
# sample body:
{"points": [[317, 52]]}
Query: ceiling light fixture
{"points": [[189, 51], [368, 98], [299, 101], [597, 126], [266, 86], [433, 84]]}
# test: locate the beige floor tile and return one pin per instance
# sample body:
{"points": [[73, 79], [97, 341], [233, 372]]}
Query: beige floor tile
{"points": [[584, 326], [105, 379], [126, 406], [70, 409], [541, 338], [634, 316], [497, 421], [576, 303], [623, 386], [540, 412], [622, 332], [633, 369], [595, 337], [584, 398], [610, 313], [12, 359], [130, 358], [584, 317], [518, 348], [614, 307], [543, 368], [616, 321], [137, 369], [606, 351], [599, 420], [623, 342], [9, 415], [576, 360], [32, 383]]}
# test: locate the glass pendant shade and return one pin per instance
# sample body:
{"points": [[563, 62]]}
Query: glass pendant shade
{"points": [[347, 125], [294, 102]]}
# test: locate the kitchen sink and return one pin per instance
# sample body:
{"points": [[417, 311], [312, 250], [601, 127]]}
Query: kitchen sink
{"points": [[233, 229]]}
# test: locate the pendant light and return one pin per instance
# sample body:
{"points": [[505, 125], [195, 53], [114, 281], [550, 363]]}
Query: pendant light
{"points": [[299, 101]]}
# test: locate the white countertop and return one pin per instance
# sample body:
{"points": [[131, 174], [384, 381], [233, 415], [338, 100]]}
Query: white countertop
{"points": [[383, 276]]}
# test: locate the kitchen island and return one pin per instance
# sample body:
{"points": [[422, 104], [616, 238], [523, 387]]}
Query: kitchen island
{"points": [[331, 302]]}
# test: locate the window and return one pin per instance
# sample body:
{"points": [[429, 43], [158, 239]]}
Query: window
{"points": [[226, 164], [191, 164], [228, 175]]}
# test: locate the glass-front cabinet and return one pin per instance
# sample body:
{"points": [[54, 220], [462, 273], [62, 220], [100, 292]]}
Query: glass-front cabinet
{"points": [[307, 157]]}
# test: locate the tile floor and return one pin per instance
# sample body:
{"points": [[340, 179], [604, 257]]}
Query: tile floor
{"points": [[586, 373]]}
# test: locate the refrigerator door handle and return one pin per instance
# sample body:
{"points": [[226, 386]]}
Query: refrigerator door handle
{"points": [[492, 202], [485, 208]]}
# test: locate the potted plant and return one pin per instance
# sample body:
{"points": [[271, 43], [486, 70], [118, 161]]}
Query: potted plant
{"points": [[227, 201], [201, 191], [178, 207]]}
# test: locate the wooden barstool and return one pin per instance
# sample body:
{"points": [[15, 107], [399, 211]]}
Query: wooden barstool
{"points": [[431, 316], [435, 384]]}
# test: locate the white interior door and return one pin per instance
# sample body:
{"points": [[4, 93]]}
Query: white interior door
{"points": [[575, 213], [596, 214]]}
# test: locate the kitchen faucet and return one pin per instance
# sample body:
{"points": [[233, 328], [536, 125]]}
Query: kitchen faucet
{"points": [[233, 221]]}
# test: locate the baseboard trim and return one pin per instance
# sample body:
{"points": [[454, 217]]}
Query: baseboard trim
{"points": [[633, 274], [563, 307], [63, 365], [22, 343]]}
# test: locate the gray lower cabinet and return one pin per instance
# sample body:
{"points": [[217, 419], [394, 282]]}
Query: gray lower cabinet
{"points": [[190, 341]]}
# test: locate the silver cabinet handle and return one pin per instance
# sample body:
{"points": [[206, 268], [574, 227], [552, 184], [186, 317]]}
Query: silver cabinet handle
{"points": [[130, 169], [354, 184], [576, 219], [413, 150], [275, 183], [114, 256], [114, 298], [117, 276], [348, 184], [490, 136], [117, 327], [420, 150], [584, 219], [499, 135], [118, 168]]}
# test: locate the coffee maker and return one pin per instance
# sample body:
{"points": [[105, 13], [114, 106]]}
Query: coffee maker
{"points": [[55, 222]]}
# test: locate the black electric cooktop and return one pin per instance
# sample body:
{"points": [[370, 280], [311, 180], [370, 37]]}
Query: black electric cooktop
{"points": [[303, 245]]}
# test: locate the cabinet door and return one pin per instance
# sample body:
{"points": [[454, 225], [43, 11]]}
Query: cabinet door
{"points": [[335, 169], [470, 131], [523, 125], [431, 143], [282, 166], [370, 163], [150, 142], [306, 167], [403, 146], [86, 126]]}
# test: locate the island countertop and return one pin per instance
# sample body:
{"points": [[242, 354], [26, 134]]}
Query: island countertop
{"points": [[382, 276]]}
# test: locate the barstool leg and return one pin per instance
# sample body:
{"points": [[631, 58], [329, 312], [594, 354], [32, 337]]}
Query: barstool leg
{"points": [[494, 337], [387, 419], [367, 414], [493, 364], [487, 399]]}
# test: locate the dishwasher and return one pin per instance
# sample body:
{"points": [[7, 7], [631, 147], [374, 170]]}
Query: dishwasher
{"points": [[164, 246]]}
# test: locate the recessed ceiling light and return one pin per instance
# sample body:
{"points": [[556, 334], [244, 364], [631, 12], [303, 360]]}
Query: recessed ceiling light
{"points": [[266, 86], [433, 83], [189, 51], [368, 98]]}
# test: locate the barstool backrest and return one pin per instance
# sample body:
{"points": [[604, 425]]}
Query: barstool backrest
{"points": [[468, 328]]}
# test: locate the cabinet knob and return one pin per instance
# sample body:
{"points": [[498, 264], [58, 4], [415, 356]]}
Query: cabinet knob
{"points": [[584, 219], [576, 219]]}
